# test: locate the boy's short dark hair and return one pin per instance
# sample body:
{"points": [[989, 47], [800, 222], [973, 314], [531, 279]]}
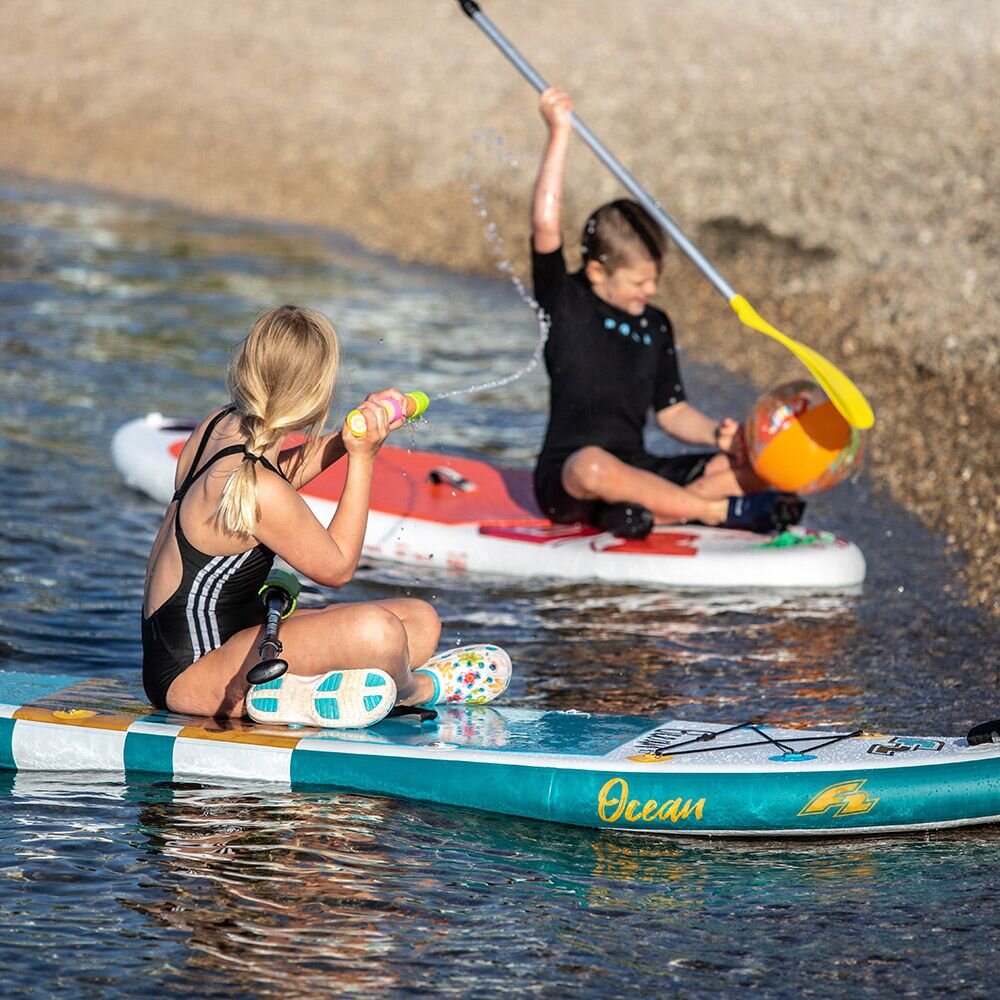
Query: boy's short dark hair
{"points": [[619, 233]]}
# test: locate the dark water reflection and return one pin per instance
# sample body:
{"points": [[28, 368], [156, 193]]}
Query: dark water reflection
{"points": [[110, 309], [253, 893]]}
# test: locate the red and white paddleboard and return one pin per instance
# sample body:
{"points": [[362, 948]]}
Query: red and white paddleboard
{"points": [[433, 509]]}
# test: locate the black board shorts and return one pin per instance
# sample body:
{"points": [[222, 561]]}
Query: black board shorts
{"points": [[559, 506]]}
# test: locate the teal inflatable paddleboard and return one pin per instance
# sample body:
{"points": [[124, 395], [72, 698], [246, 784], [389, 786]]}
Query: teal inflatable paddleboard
{"points": [[611, 772]]}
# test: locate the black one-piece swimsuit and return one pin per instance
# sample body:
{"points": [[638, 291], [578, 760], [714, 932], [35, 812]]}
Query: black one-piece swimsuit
{"points": [[216, 598]]}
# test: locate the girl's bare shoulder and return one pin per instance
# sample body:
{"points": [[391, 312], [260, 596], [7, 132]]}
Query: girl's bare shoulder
{"points": [[187, 454]]}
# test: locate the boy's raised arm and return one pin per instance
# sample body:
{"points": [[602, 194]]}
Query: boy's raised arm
{"points": [[546, 207]]}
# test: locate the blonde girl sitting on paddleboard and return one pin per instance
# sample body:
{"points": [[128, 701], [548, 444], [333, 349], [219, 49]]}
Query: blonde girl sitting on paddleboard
{"points": [[236, 507], [611, 358]]}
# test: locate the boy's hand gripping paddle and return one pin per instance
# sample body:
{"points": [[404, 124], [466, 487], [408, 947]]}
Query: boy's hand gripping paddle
{"points": [[279, 594], [843, 393]]}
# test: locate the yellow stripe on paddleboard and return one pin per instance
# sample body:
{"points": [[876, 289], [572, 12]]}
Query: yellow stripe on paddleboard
{"points": [[252, 738], [76, 718]]}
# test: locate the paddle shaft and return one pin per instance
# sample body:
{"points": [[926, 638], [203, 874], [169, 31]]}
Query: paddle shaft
{"points": [[844, 395], [604, 155], [279, 595], [275, 601]]}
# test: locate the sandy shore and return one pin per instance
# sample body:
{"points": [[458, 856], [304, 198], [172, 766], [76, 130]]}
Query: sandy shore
{"points": [[836, 161]]}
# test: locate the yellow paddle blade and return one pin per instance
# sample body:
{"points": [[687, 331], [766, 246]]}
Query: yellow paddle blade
{"points": [[842, 392]]}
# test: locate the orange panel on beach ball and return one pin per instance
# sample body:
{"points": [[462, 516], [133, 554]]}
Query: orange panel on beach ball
{"points": [[804, 448], [798, 441]]}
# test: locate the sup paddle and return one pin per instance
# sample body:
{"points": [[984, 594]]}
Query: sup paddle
{"points": [[985, 732], [843, 393], [279, 594]]}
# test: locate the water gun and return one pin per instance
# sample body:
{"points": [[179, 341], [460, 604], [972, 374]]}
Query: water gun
{"points": [[414, 404]]}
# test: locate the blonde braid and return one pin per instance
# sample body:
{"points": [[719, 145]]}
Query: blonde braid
{"points": [[281, 379]]}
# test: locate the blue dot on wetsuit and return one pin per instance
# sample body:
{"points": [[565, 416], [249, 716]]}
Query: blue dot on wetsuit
{"points": [[624, 329], [609, 324]]}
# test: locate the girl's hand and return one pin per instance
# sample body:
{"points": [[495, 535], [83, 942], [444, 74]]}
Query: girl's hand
{"points": [[391, 395], [376, 430], [556, 107]]}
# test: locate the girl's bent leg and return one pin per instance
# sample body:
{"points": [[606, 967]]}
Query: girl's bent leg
{"points": [[422, 625], [315, 641]]}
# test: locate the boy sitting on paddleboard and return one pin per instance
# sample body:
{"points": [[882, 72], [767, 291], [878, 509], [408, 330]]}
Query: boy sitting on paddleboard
{"points": [[237, 506], [610, 356]]}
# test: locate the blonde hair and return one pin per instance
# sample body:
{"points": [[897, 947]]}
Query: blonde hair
{"points": [[620, 233], [280, 379]]}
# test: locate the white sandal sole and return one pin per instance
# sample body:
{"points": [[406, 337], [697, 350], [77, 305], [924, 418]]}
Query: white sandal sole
{"points": [[341, 699]]}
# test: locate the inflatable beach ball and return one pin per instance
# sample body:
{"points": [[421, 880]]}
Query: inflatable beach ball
{"points": [[799, 442]]}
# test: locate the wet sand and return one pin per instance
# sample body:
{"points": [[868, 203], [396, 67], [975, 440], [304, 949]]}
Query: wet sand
{"points": [[836, 162]]}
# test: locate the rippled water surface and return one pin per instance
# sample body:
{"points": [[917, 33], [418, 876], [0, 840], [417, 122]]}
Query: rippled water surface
{"points": [[110, 309]]}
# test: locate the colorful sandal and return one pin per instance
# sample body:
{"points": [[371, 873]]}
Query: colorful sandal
{"points": [[472, 675], [341, 699]]}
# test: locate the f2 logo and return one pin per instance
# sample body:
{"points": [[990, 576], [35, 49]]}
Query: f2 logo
{"points": [[848, 798], [904, 744]]}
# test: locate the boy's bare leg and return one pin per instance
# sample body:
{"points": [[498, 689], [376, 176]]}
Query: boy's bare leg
{"points": [[595, 474]]}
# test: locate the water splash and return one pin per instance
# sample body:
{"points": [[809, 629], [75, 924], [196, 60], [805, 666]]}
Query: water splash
{"points": [[496, 145]]}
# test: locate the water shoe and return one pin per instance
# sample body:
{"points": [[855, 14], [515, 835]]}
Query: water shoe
{"points": [[341, 699], [764, 512], [470, 675], [624, 520]]}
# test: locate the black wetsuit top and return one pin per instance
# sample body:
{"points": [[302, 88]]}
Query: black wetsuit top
{"points": [[216, 598], [607, 369]]}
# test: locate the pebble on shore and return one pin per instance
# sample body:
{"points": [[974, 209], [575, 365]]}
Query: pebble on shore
{"points": [[837, 162]]}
